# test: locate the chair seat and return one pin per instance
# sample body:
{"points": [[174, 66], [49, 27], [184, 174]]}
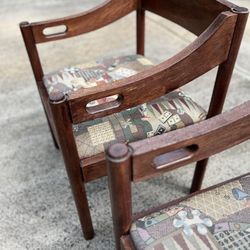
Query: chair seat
{"points": [[215, 219], [172, 111]]}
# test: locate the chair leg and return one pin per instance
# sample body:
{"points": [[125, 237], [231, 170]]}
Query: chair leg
{"points": [[199, 173], [81, 201], [63, 125], [53, 136]]}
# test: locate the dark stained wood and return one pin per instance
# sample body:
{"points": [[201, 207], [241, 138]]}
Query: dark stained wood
{"points": [[140, 29], [96, 18], [72, 163], [126, 243], [214, 43], [31, 48], [194, 15], [94, 167], [38, 72], [211, 137], [222, 82], [119, 173], [199, 174], [162, 78]]}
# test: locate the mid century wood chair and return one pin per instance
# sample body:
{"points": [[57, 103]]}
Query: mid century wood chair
{"points": [[79, 101], [216, 218]]}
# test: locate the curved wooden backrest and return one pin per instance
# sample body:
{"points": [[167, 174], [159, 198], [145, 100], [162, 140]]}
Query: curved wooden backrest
{"points": [[136, 161], [103, 14], [156, 155], [194, 15], [211, 47]]}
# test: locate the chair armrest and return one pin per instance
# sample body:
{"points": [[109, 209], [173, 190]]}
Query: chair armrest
{"points": [[102, 15], [145, 86], [199, 141]]}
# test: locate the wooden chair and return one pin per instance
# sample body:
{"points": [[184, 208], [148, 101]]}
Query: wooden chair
{"points": [[198, 221], [69, 104]]}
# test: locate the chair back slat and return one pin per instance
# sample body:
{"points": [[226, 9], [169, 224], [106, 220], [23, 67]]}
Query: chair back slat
{"points": [[154, 82], [98, 17], [194, 15], [165, 152]]}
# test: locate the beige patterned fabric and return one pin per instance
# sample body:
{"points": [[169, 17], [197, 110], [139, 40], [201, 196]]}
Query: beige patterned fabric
{"points": [[92, 74], [217, 203], [172, 111], [215, 219]]}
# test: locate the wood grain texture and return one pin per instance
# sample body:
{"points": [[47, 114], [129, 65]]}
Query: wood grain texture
{"points": [[119, 174], [98, 17], [140, 29], [221, 86], [162, 78], [210, 136], [94, 167], [72, 164], [210, 19], [194, 15]]}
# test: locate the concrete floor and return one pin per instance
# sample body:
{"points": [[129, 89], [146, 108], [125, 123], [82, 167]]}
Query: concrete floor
{"points": [[36, 206]]}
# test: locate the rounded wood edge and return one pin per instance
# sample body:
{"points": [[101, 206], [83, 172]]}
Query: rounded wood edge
{"points": [[24, 24], [58, 98], [118, 152], [239, 10], [153, 71]]}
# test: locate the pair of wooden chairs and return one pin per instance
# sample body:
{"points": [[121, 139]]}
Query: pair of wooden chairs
{"points": [[126, 99], [214, 218]]}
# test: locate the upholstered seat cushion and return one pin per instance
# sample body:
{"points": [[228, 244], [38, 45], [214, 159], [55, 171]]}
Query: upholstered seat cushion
{"points": [[92, 74], [214, 219], [172, 111]]}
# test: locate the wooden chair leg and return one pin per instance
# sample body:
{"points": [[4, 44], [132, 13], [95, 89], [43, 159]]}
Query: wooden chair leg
{"points": [[140, 30], [199, 173], [66, 140], [223, 79], [81, 201], [52, 134], [119, 174]]}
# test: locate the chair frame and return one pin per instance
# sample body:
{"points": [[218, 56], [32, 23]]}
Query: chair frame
{"points": [[154, 156], [223, 23]]}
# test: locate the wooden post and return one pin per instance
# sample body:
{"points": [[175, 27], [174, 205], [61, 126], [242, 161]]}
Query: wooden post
{"points": [[223, 78], [67, 144], [119, 173], [34, 59], [140, 30]]}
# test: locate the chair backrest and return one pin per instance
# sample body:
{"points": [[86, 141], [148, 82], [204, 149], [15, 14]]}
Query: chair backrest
{"points": [[219, 26], [218, 23], [74, 25], [194, 15], [153, 156], [212, 47]]}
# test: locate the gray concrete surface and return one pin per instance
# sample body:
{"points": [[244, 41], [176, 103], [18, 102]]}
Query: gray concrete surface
{"points": [[36, 206]]}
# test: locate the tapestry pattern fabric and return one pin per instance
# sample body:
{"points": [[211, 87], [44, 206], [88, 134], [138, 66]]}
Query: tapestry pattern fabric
{"points": [[215, 219], [169, 112], [172, 111]]}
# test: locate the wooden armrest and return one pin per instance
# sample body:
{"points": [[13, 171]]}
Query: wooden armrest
{"points": [[163, 153], [211, 47], [74, 25]]}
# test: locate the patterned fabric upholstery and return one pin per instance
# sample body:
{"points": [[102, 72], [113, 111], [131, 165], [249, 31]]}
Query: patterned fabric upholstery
{"points": [[172, 111], [215, 219], [92, 74]]}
